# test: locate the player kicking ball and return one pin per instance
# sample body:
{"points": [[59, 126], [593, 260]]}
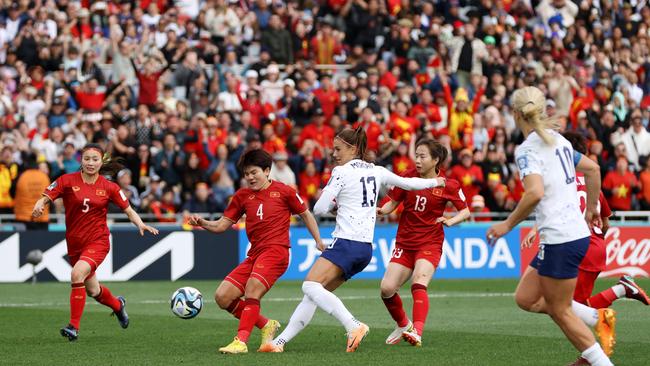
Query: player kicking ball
{"points": [[419, 240], [546, 166], [86, 195], [352, 191], [268, 206], [594, 263]]}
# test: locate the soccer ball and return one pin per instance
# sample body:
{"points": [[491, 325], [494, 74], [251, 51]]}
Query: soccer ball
{"points": [[186, 302]]}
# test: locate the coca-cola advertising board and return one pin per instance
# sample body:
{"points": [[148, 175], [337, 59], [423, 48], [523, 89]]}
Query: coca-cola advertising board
{"points": [[628, 251]]}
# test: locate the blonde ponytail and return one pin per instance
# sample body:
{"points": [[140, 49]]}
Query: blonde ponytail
{"points": [[530, 103]]}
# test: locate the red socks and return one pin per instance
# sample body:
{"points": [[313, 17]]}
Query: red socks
{"points": [[105, 297], [420, 306], [602, 300], [394, 306], [236, 307], [77, 303], [249, 317]]}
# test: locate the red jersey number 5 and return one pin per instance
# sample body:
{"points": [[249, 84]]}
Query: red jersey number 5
{"points": [[86, 207]]}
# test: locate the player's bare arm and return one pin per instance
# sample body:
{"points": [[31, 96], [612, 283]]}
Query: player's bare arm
{"points": [[312, 226], [591, 170], [461, 216], [137, 221], [534, 191], [388, 207], [39, 207], [216, 226]]}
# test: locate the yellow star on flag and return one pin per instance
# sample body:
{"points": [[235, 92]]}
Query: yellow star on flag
{"points": [[401, 166], [622, 191], [467, 179]]}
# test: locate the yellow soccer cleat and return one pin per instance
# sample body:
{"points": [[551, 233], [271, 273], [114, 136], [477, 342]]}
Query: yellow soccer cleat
{"points": [[271, 348], [356, 336], [268, 331], [606, 330], [235, 347], [413, 338]]}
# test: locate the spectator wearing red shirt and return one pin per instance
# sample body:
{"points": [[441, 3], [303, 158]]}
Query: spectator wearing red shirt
{"points": [[319, 132], [402, 162], [401, 126], [253, 105], [386, 77], [619, 185], [310, 183], [325, 45], [328, 97], [165, 209], [426, 107], [272, 143], [374, 131], [478, 207], [468, 174], [148, 75], [89, 96]]}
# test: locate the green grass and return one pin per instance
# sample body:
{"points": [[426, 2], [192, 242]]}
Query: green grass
{"points": [[465, 327]]}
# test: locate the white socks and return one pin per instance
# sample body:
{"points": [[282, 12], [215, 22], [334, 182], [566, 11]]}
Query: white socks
{"points": [[584, 312], [299, 320], [330, 304], [596, 356], [619, 290]]}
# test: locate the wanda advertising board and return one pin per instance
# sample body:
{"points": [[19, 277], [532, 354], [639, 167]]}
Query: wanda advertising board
{"points": [[628, 251]]}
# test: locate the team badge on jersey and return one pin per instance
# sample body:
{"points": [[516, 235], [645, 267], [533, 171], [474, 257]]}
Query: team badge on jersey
{"points": [[437, 191], [522, 162], [275, 194], [251, 197], [101, 192], [51, 186], [76, 188]]}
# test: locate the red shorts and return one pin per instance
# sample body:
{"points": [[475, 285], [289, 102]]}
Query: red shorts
{"points": [[408, 257], [584, 285], [267, 266], [93, 254], [596, 257]]}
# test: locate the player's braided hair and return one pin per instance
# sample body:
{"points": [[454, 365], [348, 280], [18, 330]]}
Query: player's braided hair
{"points": [[356, 138], [436, 149], [110, 165]]}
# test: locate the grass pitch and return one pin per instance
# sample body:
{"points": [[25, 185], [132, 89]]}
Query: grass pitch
{"points": [[470, 323]]}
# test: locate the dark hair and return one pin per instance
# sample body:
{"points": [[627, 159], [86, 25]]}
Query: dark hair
{"points": [[110, 166], [578, 141], [436, 149], [255, 157], [356, 138]]}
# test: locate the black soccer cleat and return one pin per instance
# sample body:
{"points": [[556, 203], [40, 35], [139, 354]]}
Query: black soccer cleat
{"points": [[70, 332], [122, 316]]}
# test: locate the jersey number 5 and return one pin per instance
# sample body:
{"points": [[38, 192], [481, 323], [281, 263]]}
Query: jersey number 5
{"points": [[85, 205], [260, 211], [367, 180]]}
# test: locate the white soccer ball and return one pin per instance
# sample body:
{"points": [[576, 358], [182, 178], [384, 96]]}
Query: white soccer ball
{"points": [[187, 302]]}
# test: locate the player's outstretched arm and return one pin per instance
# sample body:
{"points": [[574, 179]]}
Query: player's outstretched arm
{"points": [[461, 216], [411, 184], [217, 226], [534, 192], [312, 226], [137, 221], [39, 207], [388, 207], [591, 170], [325, 203]]}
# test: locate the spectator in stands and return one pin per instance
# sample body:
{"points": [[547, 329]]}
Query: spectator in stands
{"points": [[644, 181], [8, 176], [636, 140], [278, 41], [478, 206], [169, 162], [66, 162], [124, 181], [620, 185], [30, 185], [281, 171], [164, 209], [468, 174], [202, 200]]}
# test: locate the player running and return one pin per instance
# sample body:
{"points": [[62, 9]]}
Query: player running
{"points": [[86, 195], [595, 260], [268, 206], [419, 240], [546, 165], [353, 192]]}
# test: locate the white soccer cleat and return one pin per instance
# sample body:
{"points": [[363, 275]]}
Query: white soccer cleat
{"points": [[413, 338], [396, 336]]}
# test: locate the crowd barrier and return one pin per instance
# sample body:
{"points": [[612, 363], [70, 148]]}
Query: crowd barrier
{"points": [[175, 255]]}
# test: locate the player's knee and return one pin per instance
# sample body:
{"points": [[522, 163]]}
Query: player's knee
{"points": [[309, 286], [92, 292], [525, 302], [222, 300], [388, 289], [77, 276]]}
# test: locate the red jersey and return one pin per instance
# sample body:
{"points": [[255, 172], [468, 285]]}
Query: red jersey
{"points": [[268, 213], [432, 111], [86, 206], [417, 226], [323, 135], [309, 185], [470, 179], [402, 127], [596, 257], [329, 101], [622, 198]]}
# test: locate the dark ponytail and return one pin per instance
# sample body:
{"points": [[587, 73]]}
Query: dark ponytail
{"points": [[110, 166], [356, 138], [436, 149]]}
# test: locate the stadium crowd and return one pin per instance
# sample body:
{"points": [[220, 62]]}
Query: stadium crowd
{"points": [[179, 89]]}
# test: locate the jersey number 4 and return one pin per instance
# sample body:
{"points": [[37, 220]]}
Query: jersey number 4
{"points": [[260, 211], [364, 181]]}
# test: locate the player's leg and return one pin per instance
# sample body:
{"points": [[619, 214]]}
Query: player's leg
{"points": [[625, 287], [528, 294], [584, 286], [80, 270], [253, 293], [422, 274], [104, 296], [396, 275], [558, 295], [231, 289]]}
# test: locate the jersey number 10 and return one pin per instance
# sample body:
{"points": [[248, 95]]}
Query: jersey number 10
{"points": [[567, 164], [367, 180]]}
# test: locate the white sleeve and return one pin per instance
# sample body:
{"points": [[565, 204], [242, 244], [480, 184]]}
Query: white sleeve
{"points": [[336, 182], [527, 162], [410, 184], [325, 203]]}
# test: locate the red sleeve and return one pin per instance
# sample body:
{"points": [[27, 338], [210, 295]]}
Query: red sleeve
{"points": [[397, 194], [455, 195], [295, 203], [235, 209], [118, 197], [477, 100], [605, 211], [56, 189]]}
